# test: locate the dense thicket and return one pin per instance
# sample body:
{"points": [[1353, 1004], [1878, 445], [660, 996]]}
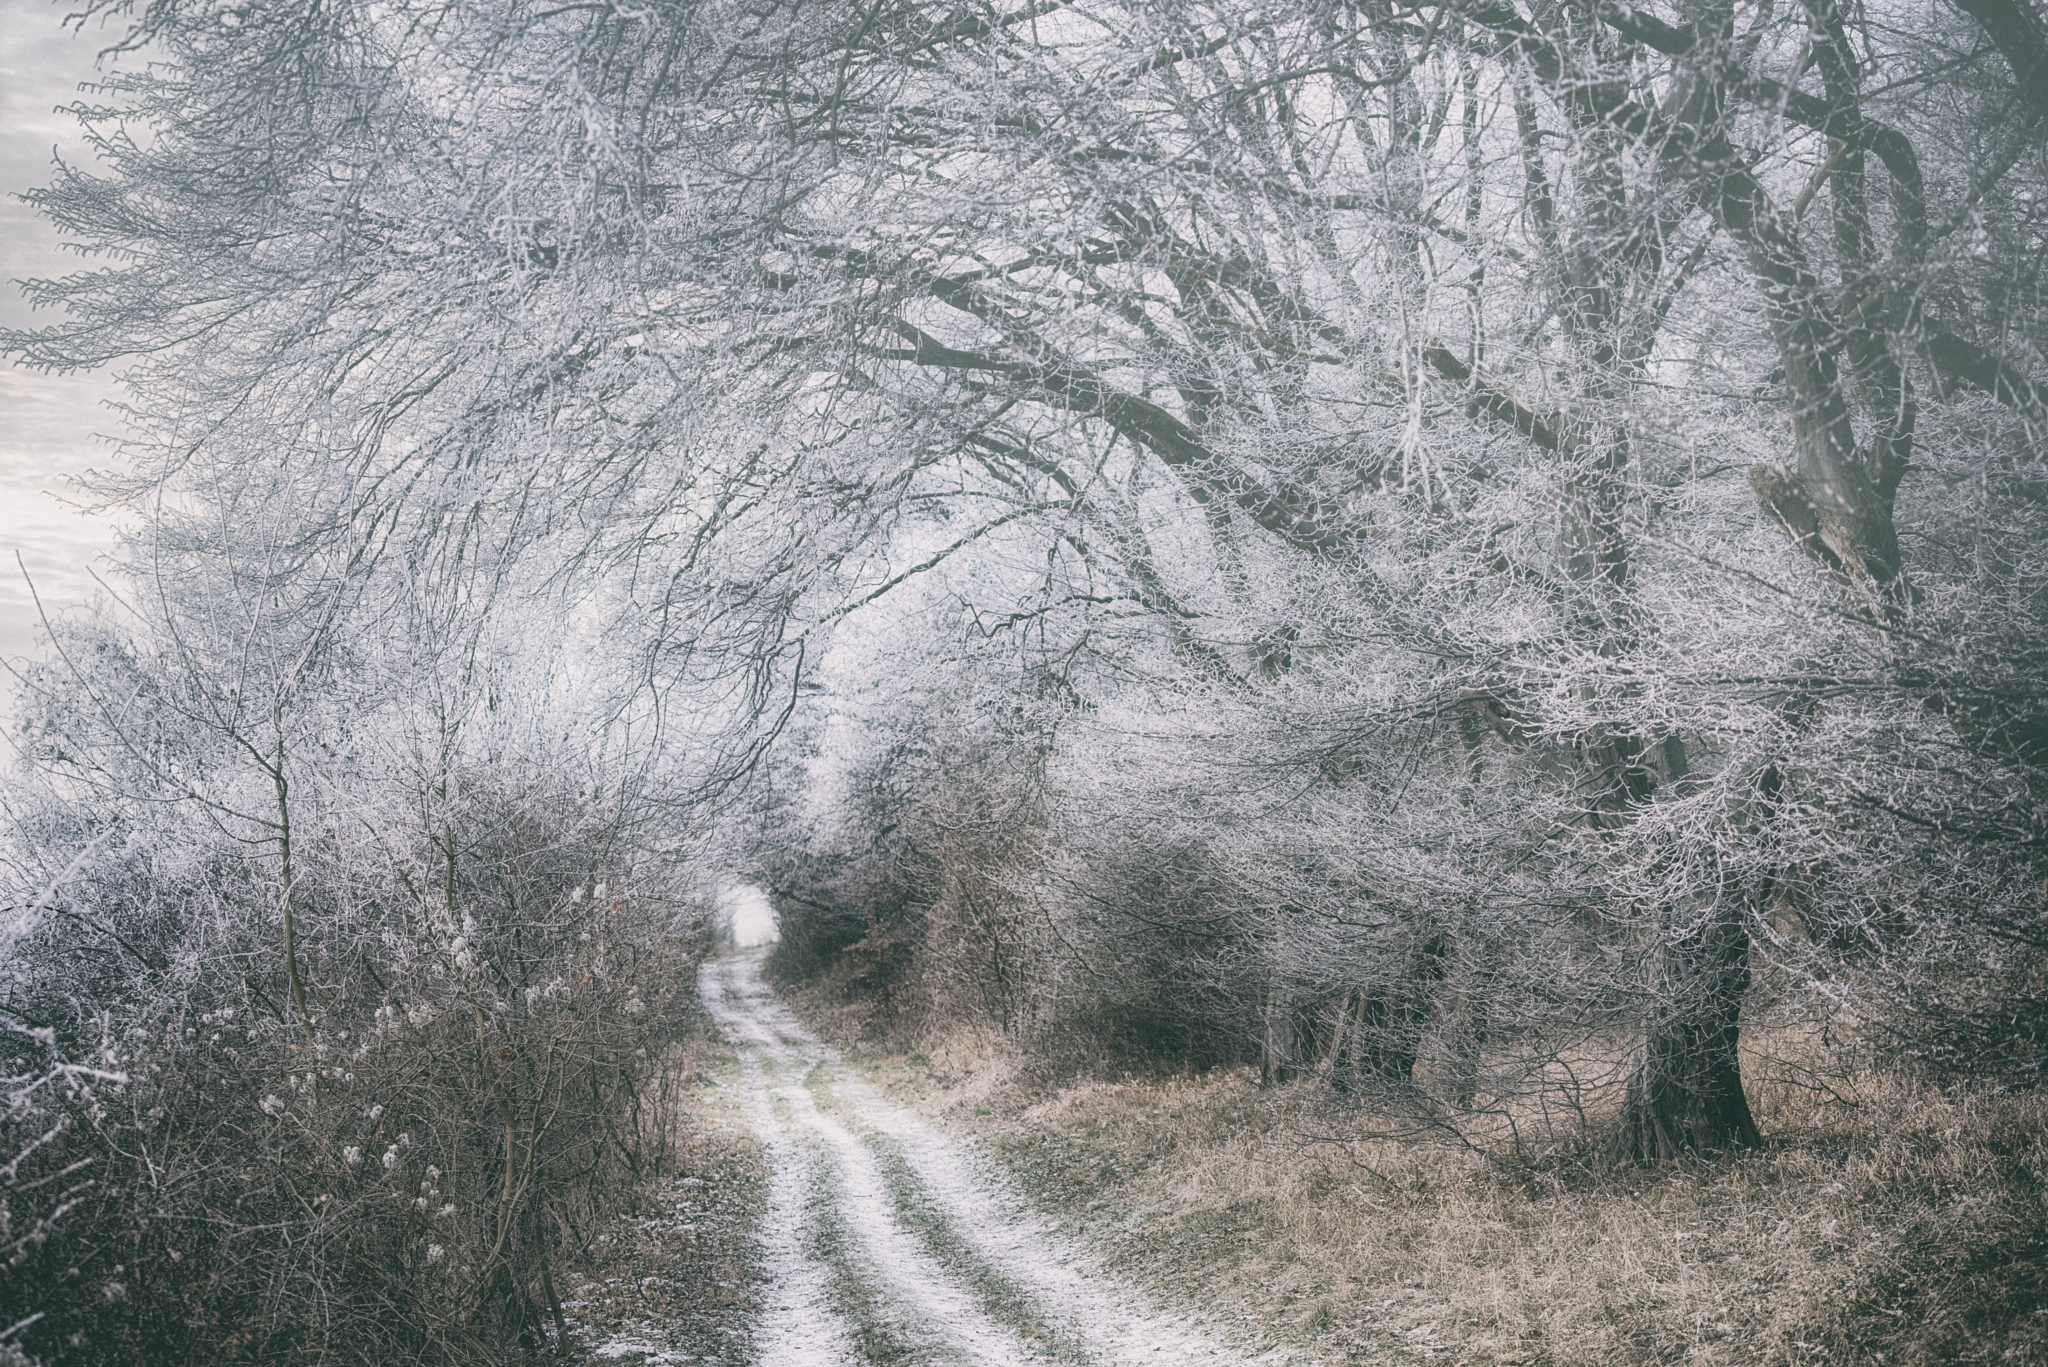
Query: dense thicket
{"points": [[336, 1019], [1442, 548]]}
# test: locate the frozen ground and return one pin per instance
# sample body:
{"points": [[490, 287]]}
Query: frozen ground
{"points": [[887, 1241]]}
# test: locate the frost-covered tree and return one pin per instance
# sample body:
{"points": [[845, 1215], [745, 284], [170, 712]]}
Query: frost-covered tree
{"points": [[1582, 459]]}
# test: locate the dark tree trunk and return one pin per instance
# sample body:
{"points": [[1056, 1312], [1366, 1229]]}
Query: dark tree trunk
{"points": [[1379, 1031], [1377, 1053], [1287, 1047], [1686, 1097], [1292, 1025], [1466, 1035]]}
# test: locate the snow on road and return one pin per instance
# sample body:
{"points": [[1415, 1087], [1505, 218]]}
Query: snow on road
{"points": [[887, 1241]]}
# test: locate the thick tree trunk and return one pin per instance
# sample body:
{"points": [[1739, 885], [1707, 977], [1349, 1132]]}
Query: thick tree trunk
{"points": [[1466, 1035], [1311, 1034], [1686, 1097], [1286, 1045]]}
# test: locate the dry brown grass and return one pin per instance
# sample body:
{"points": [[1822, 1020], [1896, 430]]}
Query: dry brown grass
{"points": [[1889, 1223]]}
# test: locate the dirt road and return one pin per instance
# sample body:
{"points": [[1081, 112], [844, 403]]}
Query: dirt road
{"points": [[889, 1242]]}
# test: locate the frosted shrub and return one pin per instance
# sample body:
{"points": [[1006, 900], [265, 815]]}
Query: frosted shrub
{"points": [[226, 1159]]}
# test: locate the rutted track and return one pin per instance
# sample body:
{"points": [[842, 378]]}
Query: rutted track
{"points": [[889, 1242]]}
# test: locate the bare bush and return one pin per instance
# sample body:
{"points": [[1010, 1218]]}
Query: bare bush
{"points": [[400, 1174]]}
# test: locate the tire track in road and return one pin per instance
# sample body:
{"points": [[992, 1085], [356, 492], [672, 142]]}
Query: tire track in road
{"points": [[890, 1242]]}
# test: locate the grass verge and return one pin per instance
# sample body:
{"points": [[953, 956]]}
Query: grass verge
{"points": [[1894, 1224], [680, 1279]]}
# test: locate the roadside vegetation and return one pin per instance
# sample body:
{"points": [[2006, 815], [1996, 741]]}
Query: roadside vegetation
{"points": [[678, 1277], [1887, 1221]]}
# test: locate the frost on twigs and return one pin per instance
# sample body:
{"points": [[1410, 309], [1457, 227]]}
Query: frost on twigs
{"points": [[254, 1141], [1179, 535]]}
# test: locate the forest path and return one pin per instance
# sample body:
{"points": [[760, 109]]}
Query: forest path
{"points": [[889, 1242]]}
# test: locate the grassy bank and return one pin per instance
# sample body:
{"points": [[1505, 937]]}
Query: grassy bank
{"points": [[1892, 1224], [679, 1280]]}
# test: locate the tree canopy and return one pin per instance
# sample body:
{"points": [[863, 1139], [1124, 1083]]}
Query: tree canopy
{"points": [[1410, 540]]}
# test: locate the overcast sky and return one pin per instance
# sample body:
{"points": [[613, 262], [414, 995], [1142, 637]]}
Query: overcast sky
{"points": [[47, 423]]}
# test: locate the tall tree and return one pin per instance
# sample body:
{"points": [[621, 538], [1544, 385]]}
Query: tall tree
{"points": [[1391, 363]]}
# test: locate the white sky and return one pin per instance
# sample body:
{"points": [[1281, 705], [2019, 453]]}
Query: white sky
{"points": [[753, 918], [47, 423]]}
